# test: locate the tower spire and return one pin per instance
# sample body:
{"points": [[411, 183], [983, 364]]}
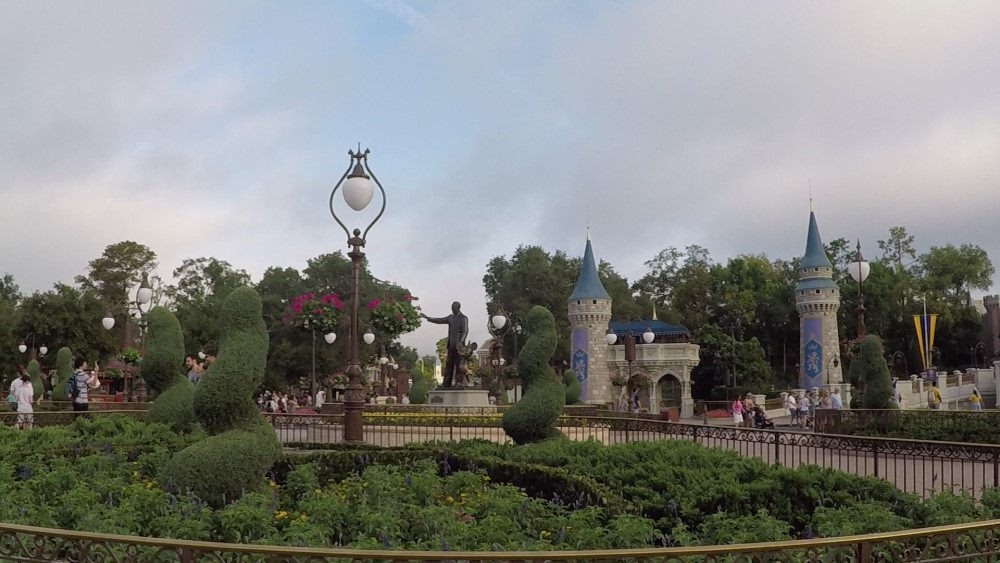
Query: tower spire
{"points": [[588, 285]]}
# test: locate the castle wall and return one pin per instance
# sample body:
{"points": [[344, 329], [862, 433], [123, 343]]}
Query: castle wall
{"points": [[588, 319]]}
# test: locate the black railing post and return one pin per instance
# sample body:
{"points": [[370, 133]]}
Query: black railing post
{"points": [[777, 446], [875, 456]]}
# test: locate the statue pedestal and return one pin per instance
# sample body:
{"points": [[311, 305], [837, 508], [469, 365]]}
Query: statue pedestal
{"points": [[459, 397]]}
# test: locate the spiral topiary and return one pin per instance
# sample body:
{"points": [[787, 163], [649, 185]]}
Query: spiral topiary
{"points": [[533, 418], [36, 379], [174, 404], [242, 445], [573, 387], [875, 374], [64, 371]]}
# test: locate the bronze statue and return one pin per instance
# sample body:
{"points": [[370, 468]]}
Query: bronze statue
{"points": [[458, 330]]}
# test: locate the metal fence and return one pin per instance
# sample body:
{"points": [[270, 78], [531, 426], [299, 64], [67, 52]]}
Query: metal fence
{"points": [[915, 466], [968, 542]]}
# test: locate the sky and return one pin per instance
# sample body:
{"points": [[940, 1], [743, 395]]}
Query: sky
{"points": [[220, 128]]}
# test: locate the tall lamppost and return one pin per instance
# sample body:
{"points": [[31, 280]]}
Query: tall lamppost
{"points": [[629, 341], [140, 306], [30, 349], [358, 192], [835, 363], [859, 270], [975, 353], [497, 327]]}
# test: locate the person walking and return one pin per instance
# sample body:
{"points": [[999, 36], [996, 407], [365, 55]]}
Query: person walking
{"points": [[976, 400], [25, 396]]}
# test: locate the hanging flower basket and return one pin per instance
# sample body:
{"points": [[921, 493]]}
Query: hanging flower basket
{"points": [[130, 355], [394, 315], [315, 312], [640, 380], [619, 379], [339, 381]]}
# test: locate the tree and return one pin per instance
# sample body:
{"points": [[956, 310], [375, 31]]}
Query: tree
{"points": [[955, 271], [67, 316], [119, 268], [10, 297], [203, 284], [897, 247]]}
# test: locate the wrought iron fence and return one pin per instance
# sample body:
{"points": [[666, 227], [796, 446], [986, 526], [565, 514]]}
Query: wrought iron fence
{"points": [[915, 466], [967, 542], [850, 421]]}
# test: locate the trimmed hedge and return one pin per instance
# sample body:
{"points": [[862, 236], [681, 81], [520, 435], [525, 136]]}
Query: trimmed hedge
{"points": [[243, 446], [878, 380], [174, 404], [538, 481], [36, 379], [533, 418], [573, 387], [64, 371]]}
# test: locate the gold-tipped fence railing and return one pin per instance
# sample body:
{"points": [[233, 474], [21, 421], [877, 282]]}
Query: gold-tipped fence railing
{"points": [[967, 542], [919, 467]]}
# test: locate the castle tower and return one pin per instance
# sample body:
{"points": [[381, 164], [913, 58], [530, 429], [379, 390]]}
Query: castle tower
{"points": [[817, 299], [589, 315]]}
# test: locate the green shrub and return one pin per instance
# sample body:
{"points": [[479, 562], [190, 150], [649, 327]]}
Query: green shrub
{"points": [[243, 446], [221, 468], [175, 407], [36, 379], [573, 387], [161, 370], [533, 418], [223, 398], [161, 366], [875, 374], [64, 371]]}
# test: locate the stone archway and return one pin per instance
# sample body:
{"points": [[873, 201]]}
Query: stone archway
{"points": [[643, 382], [670, 391]]}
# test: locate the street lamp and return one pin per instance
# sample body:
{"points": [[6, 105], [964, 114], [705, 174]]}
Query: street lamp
{"points": [[28, 345], [629, 341], [975, 353], [357, 191], [497, 327], [859, 270], [835, 362], [141, 306]]}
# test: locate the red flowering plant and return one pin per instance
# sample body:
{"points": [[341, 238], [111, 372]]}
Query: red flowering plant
{"points": [[316, 312], [394, 316]]}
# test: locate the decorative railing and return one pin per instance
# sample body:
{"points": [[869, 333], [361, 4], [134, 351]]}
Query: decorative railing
{"points": [[967, 542], [916, 466]]}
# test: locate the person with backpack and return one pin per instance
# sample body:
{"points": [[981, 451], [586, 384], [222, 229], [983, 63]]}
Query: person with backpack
{"points": [[78, 387], [934, 396]]}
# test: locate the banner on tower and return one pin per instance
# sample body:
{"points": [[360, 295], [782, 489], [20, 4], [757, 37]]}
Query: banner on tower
{"points": [[580, 346], [812, 353], [926, 326]]}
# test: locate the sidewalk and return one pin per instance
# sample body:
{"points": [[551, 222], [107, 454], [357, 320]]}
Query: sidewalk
{"points": [[782, 422]]}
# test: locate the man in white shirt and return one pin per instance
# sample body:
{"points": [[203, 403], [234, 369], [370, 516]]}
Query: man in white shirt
{"points": [[24, 395]]}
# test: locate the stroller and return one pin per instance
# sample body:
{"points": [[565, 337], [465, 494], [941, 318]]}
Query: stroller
{"points": [[761, 421]]}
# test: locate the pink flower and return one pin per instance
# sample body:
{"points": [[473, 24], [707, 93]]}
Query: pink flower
{"points": [[318, 311], [297, 307], [407, 297], [374, 303]]}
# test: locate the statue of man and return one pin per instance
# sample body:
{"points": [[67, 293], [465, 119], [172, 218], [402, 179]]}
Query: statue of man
{"points": [[458, 330]]}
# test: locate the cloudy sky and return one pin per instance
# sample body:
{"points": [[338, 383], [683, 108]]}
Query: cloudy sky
{"points": [[219, 128]]}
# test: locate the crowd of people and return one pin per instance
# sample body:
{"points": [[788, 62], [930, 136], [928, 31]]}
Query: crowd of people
{"points": [[22, 393], [289, 403]]}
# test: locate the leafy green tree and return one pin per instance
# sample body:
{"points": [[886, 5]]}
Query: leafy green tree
{"points": [[10, 297], [118, 270], [67, 316], [203, 284], [953, 272]]}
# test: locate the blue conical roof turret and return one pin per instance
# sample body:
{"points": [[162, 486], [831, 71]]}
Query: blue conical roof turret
{"points": [[815, 256], [588, 285]]}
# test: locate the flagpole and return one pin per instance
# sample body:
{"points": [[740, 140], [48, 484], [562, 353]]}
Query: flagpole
{"points": [[927, 336]]}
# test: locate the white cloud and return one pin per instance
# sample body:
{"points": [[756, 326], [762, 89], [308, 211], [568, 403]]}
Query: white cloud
{"points": [[219, 130]]}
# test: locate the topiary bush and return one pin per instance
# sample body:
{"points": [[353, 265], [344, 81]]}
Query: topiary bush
{"points": [[64, 371], [875, 374], [242, 446], [418, 391], [533, 418], [573, 387], [36, 379], [174, 404]]}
